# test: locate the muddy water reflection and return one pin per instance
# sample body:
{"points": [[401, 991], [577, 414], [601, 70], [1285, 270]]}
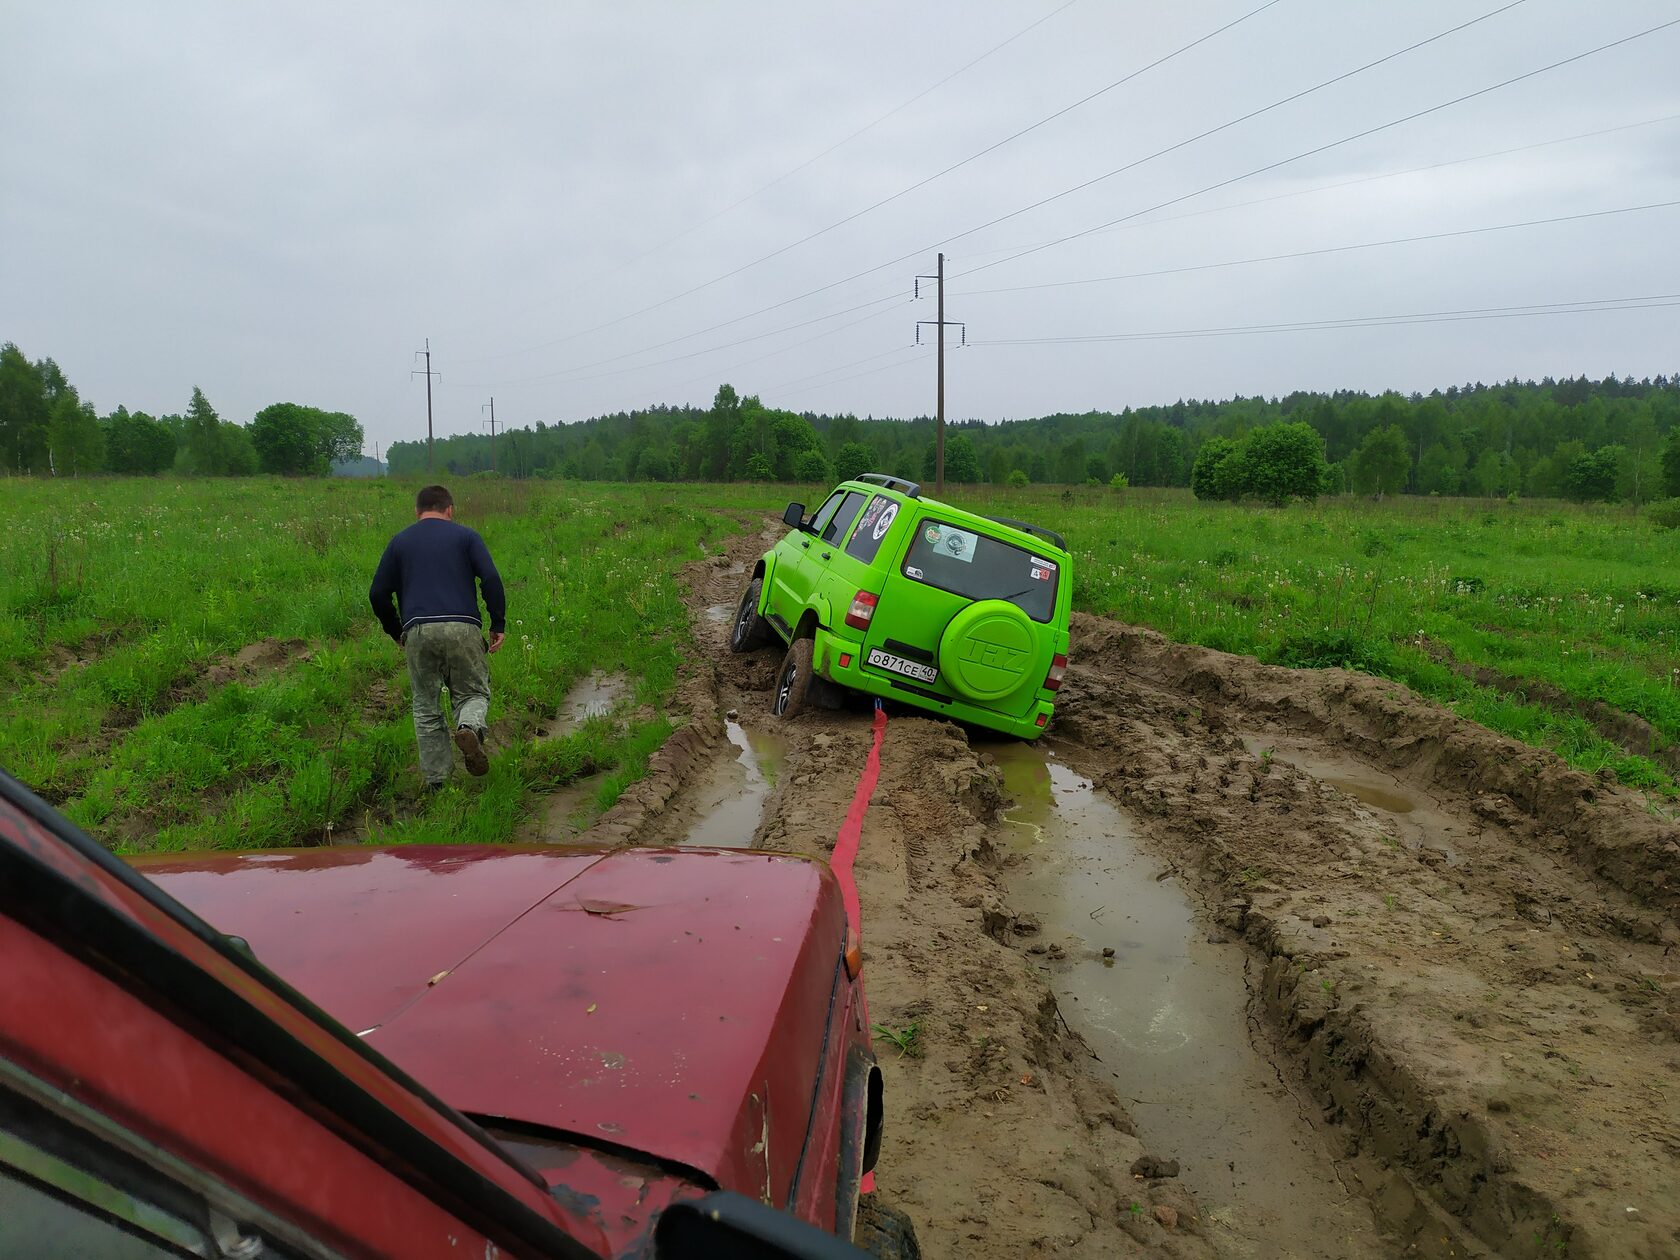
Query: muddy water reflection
{"points": [[1166, 1015], [732, 801], [593, 696]]}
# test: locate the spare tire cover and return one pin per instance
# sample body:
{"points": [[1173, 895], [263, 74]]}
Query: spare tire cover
{"points": [[987, 651]]}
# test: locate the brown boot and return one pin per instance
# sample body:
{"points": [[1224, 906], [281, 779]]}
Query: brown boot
{"points": [[472, 748]]}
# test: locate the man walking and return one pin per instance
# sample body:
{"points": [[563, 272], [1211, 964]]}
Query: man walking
{"points": [[428, 570]]}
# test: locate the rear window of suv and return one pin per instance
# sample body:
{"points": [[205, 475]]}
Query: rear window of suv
{"points": [[978, 566]]}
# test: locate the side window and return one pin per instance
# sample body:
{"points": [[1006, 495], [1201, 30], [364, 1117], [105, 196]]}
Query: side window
{"points": [[836, 529], [825, 513], [64, 1192], [872, 527]]}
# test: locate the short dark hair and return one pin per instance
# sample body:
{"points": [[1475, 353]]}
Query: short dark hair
{"points": [[433, 499]]}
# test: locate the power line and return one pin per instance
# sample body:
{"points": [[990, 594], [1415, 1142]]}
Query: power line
{"points": [[1271, 166], [718, 279], [896, 295], [1224, 126], [1334, 144], [913, 352], [1586, 307], [1045, 201], [789, 174], [1363, 179], [1329, 249]]}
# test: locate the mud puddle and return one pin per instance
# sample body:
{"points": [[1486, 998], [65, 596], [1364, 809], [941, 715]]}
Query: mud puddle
{"points": [[1411, 818], [594, 696], [1166, 1015], [731, 801]]}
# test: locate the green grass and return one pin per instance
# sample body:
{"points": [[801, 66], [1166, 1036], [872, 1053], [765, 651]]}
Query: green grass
{"points": [[117, 597], [1586, 600], [153, 582]]}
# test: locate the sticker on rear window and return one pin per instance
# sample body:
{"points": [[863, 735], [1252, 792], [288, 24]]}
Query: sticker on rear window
{"points": [[958, 544], [885, 523], [1042, 575], [1043, 564], [913, 571]]}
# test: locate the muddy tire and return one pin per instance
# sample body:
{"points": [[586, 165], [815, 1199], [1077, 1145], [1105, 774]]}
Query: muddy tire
{"points": [[885, 1232], [795, 680], [750, 630]]}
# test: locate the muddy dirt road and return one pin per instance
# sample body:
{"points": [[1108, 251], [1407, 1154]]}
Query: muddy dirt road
{"points": [[1379, 982]]}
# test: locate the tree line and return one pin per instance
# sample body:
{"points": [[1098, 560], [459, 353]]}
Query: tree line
{"points": [[1608, 440], [1571, 438], [46, 428]]}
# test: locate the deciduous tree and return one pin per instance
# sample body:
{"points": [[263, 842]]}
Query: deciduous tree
{"points": [[1383, 462], [77, 444]]}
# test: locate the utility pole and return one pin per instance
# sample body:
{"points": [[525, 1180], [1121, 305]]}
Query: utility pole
{"points": [[428, 374], [939, 421], [492, 432]]}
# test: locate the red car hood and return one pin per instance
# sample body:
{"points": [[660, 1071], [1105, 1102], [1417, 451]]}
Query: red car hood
{"points": [[672, 1003]]}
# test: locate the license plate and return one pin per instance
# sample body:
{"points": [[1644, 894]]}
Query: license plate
{"points": [[898, 665]]}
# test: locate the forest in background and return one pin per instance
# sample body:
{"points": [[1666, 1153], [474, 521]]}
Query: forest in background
{"points": [[47, 428], [1572, 438], [1612, 440]]}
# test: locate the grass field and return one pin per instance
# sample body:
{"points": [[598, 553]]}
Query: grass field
{"points": [[194, 665], [127, 602], [1579, 604]]}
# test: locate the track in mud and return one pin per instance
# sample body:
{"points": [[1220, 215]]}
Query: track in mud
{"points": [[1441, 1020]]}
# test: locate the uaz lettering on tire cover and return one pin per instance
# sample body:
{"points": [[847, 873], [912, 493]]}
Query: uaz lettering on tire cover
{"points": [[1000, 655]]}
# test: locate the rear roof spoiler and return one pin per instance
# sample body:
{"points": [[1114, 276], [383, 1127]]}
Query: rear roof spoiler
{"points": [[909, 488], [1047, 534]]}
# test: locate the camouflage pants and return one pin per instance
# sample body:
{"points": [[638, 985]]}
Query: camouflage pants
{"points": [[446, 654]]}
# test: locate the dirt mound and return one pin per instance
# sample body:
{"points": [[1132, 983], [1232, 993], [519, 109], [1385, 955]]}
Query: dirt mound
{"points": [[266, 656], [1607, 830], [1480, 984]]}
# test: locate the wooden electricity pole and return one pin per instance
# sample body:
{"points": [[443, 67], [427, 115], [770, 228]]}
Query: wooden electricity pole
{"points": [[428, 374], [939, 415], [492, 406]]}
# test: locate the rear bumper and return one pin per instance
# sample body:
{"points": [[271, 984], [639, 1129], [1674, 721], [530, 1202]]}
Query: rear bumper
{"points": [[831, 647]]}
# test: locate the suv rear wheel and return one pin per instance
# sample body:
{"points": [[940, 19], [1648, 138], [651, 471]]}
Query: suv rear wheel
{"points": [[750, 630], [794, 680]]}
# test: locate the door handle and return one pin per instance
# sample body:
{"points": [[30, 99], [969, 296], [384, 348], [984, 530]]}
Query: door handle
{"points": [[806, 545], [828, 555]]}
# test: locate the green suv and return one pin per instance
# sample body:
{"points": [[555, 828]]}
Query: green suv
{"points": [[888, 593]]}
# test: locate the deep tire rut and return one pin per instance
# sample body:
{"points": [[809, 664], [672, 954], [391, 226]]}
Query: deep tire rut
{"points": [[1481, 996]]}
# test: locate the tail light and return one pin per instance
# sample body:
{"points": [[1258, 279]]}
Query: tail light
{"points": [[1058, 671], [862, 610]]}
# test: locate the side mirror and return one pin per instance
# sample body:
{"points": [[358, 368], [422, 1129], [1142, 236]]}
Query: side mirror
{"points": [[723, 1223], [794, 516]]}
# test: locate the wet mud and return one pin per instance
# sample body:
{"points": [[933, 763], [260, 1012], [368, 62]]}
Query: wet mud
{"points": [[1382, 983], [1162, 997], [730, 804], [595, 695]]}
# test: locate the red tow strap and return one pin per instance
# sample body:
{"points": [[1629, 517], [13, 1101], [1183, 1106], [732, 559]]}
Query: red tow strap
{"points": [[846, 843], [845, 853]]}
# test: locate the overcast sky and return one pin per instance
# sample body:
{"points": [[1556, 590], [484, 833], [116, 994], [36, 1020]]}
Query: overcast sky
{"points": [[592, 207]]}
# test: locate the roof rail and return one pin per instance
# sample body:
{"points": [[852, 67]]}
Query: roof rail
{"points": [[1049, 534], [891, 483]]}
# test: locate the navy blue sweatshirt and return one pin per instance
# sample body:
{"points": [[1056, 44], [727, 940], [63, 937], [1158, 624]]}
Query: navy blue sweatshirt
{"points": [[429, 569]]}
